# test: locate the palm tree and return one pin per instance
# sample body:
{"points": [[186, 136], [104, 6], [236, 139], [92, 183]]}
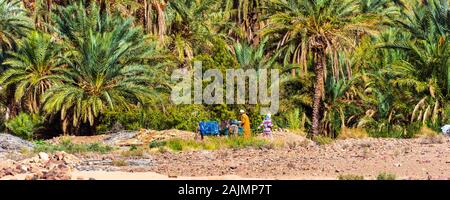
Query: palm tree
{"points": [[192, 28], [106, 67], [425, 67], [316, 30], [248, 15], [429, 47], [249, 57], [14, 23], [33, 69]]}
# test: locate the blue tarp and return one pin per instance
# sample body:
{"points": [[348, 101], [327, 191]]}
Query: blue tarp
{"points": [[209, 128]]}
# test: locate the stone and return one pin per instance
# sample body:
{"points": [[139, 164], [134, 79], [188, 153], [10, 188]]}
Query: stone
{"points": [[10, 142], [22, 168], [43, 156]]}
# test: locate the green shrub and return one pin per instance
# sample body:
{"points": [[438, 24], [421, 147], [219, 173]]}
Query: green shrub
{"points": [[69, 147], [212, 143], [386, 176], [350, 177], [293, 119], [176, 144], [157, 143], [23, 125]]}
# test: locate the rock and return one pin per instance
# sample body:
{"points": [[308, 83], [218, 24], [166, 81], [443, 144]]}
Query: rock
{"points": [[233, 166], [30, 177], [43, 156], [12, 143], [140, 162], [115, 138], [22, 168]]}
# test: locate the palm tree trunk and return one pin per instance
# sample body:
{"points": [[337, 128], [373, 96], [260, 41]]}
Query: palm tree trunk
{"points": [[146, 17], [160, 6], [49, 12], [318, 91]]}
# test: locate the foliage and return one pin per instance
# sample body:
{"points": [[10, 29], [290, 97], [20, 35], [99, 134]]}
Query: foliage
{"points": [[24, 125], [350, 177], [70, 147], [14, 23], [211, 143], [349, 68], [106, 66], [33, 69], [386, 176]]}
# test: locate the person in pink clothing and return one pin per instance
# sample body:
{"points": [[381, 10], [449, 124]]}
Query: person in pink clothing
{"points": [[267, 126]]}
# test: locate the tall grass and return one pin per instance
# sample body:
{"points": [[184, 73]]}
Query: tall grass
{"points": [[69, 147], [293, 119], [212, 143]]}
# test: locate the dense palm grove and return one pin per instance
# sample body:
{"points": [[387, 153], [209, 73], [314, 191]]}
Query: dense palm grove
{"points": [[86, 67]]}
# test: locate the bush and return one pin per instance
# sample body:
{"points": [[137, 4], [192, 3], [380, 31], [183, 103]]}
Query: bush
{"points": [[213, 143], [293, 119], [23, 125], [386, 176], [350, 177], [157, 143], [356, 133], [69, 147]]}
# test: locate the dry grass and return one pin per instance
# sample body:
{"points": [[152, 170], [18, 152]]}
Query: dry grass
{"points": [[120, 163], [322, 140], [426, 132], [438, 139], [133, 153], [429, 136], [356, 133], [300, 132]]}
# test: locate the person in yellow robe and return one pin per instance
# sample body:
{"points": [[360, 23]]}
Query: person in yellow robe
{"points": [[245, 120]]}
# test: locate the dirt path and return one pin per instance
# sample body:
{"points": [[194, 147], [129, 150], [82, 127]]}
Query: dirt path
{"points": [[407, 159]]}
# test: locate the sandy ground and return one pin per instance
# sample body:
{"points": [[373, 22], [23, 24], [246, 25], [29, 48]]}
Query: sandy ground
{"points": [[408, 159]]}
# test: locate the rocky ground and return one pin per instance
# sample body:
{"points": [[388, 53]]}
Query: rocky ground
{"points": [[420, 158]]}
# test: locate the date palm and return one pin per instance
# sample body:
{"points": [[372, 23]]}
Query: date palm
{"points": [[192, 30], [106, 67], [316, 30], [14, 23], [33, 69]]}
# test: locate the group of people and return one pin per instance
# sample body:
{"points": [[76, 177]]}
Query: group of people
{"points": [[266, 125]]}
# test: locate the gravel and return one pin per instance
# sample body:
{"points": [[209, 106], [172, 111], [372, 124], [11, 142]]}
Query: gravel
{"points": [[10, 142], [113, 138]]}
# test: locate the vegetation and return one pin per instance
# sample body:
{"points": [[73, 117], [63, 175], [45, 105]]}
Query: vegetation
{"points": [[379, 68], [350, 177], [212, 143], [386, 176], [322, 140], [24, 125], [69, 147]]}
